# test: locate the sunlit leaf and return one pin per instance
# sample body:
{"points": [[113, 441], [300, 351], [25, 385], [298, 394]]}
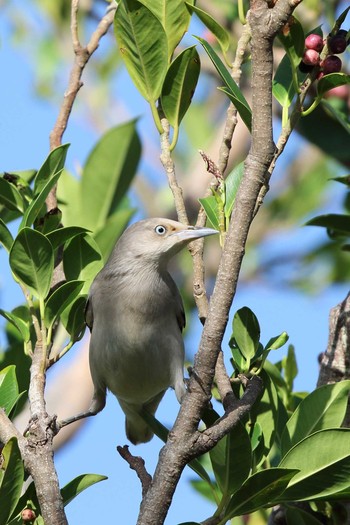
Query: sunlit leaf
{"points": [[60, 299], [52, 165], [12, 480], [214, 27], [78, 484]]}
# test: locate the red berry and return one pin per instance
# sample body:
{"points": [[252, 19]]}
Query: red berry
{"points": [[314, 41], [28, 515], [337, 44], [311, 57], [331, 64]]}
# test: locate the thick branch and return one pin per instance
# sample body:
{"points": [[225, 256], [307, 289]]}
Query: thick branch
{"points": [[173, 456]]}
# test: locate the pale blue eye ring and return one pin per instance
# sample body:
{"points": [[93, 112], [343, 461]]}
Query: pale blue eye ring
{"points": [[160, 229]]}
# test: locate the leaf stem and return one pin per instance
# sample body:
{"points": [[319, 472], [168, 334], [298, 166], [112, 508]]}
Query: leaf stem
{"points": [[156, 117]]}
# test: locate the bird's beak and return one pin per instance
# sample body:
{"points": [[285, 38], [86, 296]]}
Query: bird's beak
{"points": [[191, 233]]}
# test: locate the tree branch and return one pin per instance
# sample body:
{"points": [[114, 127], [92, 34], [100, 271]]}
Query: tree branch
{"points": [[176, 452], [138, 464]]}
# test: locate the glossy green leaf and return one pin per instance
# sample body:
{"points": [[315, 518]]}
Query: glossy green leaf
{"points": [[53, 165], [277, 342], [8, 388], [259, 490], [265, 412], [231, 459], [174, 18], [332, 221], [37, 204], [331, 81], [232, 183], [16, 321], [231, 89], [32, 261], [179, 85], [107, 236], [293, 41], [12, 480], [143, 46], [78, 484], [283, 88], [60, 299], [10, 197], [246, 332], [341, 18], [108, 172], [323, 461], [211, 209], [214, 27], [82, 260], [6, 238], [60, 236], [73, 318], [324, 408]]}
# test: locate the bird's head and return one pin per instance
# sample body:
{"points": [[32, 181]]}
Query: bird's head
{"points": [[157, 240]]}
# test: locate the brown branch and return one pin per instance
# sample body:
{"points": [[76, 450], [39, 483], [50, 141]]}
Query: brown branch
{"points": [[182, 439], [138, 464], [82, 56]]}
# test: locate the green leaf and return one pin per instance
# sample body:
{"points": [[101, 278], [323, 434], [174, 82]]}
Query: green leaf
{"points": [[37, 204], [231, 89], [324, 408], [277, 342], [290, 367], [108, 172], [232, 183], [246, 332], [16, 321], [78, 484], [332, 221], [62, 235], [293, 41], [331, 81], [210, 206], [323, 461], [8, 388], [218, 31], [53, 165], [179, 85], [107, 236], [10, 197], [60, 300], [259, 490], [143, 46], [12, 480], [174, 17], [6, 238], [73, 318], [32, 261], [231, 459], [82, 259], [283, 88], [341, 18]]}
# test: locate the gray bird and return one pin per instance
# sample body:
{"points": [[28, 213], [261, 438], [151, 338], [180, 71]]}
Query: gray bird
{"points": [[136, 317]]}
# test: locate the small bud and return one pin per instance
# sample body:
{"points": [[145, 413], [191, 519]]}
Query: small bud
{"points": [[331, 64], [314, 42]]}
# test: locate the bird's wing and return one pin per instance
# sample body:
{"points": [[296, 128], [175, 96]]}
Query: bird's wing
{"points": [[180, 311], [89, 315]]}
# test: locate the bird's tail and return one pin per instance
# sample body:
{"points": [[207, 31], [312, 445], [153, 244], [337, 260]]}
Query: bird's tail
{"points": [[136, 428]]}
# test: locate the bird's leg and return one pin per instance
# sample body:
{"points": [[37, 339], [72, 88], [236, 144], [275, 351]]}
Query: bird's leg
{"points": [[97, 404]]}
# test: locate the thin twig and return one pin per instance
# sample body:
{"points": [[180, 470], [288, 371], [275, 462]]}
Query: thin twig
{"points": [[137, 464], [82, 56]]}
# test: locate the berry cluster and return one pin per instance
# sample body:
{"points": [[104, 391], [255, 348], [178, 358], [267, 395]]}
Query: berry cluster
{"points": [[314, 45]]}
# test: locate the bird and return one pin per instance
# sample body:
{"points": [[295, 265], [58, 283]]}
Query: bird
{"points": [[136, 317]]}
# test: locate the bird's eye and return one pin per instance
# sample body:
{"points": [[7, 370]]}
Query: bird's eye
{"points": [[160, 229]]}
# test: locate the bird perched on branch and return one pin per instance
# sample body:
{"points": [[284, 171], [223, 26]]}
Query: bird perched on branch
{"points": [[136, 316]]}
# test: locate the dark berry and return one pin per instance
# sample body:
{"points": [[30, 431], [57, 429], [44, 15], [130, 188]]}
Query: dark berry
{"points": [[331, 64], [311, 57], [337, 44], [314, 41]]}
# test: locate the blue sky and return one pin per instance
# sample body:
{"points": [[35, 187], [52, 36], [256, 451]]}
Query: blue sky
{"points": [[24, 130]]}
